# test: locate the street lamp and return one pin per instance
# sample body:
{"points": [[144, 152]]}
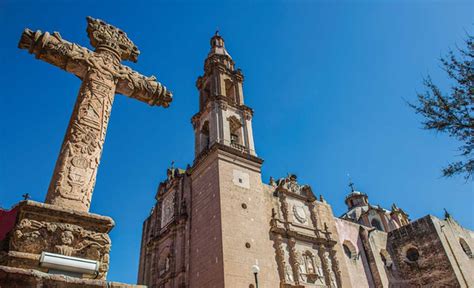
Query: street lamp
{"points": [[255, 270]]}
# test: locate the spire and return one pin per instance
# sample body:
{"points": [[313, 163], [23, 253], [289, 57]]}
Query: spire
{"points": [[217, 40], [218, 46], [355, 198], [223, 117], [351, 184]]}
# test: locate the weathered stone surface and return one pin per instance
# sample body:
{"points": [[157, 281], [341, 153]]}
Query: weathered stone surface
{"points": [[212, 222], [232, 218], [102, 76], [20, 278], [48, 228]]}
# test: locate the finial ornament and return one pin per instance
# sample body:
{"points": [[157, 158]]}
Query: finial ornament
{"points": [[446, 214], [272, 181], [103, 35], [351, 184]]}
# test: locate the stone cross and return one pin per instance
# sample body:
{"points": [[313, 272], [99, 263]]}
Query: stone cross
{"points": [[102, 76]]}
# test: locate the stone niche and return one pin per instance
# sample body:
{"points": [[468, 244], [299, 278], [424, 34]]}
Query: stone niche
{"points": [[43, 227]]}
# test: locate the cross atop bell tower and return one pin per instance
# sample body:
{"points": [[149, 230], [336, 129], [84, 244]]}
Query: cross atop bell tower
{"points": [[222, 118]]}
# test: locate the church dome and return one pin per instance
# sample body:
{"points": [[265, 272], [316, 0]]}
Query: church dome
{"points": [[356, 199], [355, 193]]}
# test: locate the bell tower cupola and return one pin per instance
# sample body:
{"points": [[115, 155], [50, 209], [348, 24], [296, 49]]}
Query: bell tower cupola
{"points": [[223, 118]]}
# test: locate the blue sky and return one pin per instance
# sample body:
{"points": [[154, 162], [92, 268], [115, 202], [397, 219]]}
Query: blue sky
{"points": [[327, 81]]}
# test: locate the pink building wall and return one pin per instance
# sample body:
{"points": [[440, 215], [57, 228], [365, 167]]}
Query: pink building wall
{"points": [[359, 270]]}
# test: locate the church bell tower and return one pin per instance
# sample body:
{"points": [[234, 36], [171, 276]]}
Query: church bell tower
{"points": [[223, 117], [227, 191]]}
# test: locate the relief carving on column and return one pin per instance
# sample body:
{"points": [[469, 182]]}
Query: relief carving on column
{"points": [[280, 256], [325, 264], [102, 76], [294, 260], [82, 148], [35, 237], [284, 209], [335, 267], [314, 219], [330, 267]]}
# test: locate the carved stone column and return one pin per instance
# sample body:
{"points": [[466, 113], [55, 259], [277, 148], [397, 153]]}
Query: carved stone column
{"points": [[325, 263], [280, 257], [284, 210], [76, 168], [314, 219], [294, 260], [335, 267]]}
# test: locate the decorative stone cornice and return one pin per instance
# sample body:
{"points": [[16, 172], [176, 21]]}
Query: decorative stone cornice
{"points": [[219, 146], [304, 237]]}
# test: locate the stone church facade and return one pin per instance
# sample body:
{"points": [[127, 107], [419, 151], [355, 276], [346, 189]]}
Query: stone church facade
{"points": [[215, 219]]}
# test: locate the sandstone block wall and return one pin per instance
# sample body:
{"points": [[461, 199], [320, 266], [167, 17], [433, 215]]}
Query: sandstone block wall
{"points": [[246, 214], [433, 266], [206, 268], [357, 266]]}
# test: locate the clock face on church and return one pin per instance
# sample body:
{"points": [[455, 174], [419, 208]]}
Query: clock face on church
{"points": [[167, 209]]}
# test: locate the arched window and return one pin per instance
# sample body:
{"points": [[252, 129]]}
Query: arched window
{"points": [[235, 131], [349, 250], [205, 93], [465, 247], [205, 135], [230, 91], [376, 224]]}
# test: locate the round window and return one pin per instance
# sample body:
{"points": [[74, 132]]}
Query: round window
{"points": [[412, 254]]}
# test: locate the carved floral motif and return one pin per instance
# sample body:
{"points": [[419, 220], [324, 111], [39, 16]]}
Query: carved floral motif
{"points": [[32, 236]]}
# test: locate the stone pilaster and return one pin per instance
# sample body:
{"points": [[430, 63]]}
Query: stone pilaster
{"points": [[294, 260]]}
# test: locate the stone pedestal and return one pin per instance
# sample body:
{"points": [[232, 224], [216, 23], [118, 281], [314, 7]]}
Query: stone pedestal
{"points": [[20, 278], [43, 227]]}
